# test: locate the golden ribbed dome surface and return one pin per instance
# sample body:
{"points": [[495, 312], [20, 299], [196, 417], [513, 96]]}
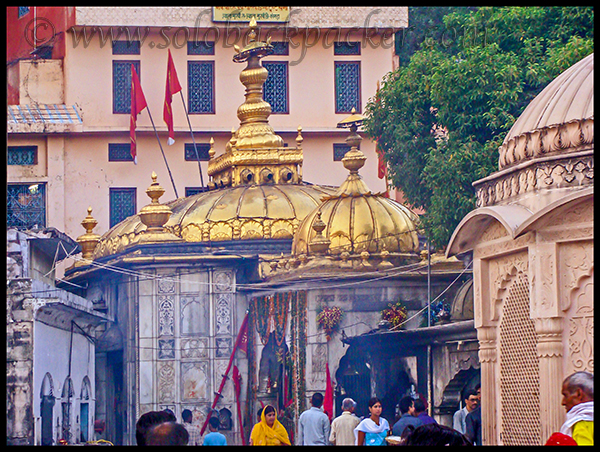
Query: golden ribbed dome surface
{"points": [[358, 220], [559, 119], [246, 212]]}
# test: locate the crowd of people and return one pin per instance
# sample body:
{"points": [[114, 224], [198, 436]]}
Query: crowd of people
{"points": [[413, 427]]}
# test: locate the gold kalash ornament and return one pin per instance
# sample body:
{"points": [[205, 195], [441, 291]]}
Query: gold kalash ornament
{"points": [[255, 154]]}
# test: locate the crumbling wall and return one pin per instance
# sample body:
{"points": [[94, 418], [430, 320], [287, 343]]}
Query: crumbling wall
{"points": [[19, 345]]}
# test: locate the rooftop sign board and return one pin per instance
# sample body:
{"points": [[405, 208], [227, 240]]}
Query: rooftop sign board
{"points": [[245, 13]]}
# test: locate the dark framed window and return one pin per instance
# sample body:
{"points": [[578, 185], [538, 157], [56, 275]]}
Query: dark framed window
{"points": [[275, 89], [200, 47], [119, 152], [190, 191], [201, 87], [21, 155], [122, 85], [339, 151], [347, 86], [122, 204], [190, 152], [26, 205], [281, 48], [346, 48], [126, 47]]}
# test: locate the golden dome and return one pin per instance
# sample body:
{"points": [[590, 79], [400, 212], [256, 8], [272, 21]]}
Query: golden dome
{"points": [[560, 119], [357, 220], [256, 187], [246, 212]]}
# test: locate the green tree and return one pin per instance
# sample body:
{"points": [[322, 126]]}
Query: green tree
{"points": [[441, 117]]}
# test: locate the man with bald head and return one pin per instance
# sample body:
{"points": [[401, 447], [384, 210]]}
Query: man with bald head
{"points": [[578, 400]]}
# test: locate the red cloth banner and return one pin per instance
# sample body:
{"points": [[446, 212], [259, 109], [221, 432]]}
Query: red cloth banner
{"points": [[138, 103], [328, 398], [171, 88], [238, 343]]}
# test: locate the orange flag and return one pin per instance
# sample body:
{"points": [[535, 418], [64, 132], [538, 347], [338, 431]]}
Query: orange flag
{"points": [[172, 87], [138, 103]]}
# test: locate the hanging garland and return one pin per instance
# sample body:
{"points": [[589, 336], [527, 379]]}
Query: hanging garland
{"points": [[329, 320], [280, 311], [262, 307]]}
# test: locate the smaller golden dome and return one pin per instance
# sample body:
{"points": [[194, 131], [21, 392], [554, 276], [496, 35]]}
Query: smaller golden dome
{"points": [[356, 220]]}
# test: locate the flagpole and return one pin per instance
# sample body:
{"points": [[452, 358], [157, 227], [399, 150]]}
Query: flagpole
{"points": [[193, 140], [163, 152]]}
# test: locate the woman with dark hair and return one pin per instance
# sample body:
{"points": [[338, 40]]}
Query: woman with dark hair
{"points": [[372, 430], [269, 431], [436, 435]]}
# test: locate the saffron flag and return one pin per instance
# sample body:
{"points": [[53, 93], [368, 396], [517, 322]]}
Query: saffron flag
{"points": [[138, 103], [328, 398], [172, 87]]}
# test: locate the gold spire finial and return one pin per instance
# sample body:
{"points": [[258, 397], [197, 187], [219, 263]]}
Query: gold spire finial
{"points": [[319, 244], [354, 158], [299, 138], [211, 151], [89, 240], [155, 215]]}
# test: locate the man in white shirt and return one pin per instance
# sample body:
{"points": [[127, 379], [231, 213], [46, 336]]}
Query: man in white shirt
{"points": [[313, 424], [471, 402], [342, 427]]}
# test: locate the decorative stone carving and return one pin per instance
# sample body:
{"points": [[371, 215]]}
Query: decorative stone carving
{"points": [[166, 349], [222, 281], [166, 382], [581, 326], [194, 315], [195, 378], [166, 313], [556, 173], [196, 347], [223, 313]]}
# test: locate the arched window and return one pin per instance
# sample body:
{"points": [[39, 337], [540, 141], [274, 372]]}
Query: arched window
{"points": [[84, 410], [47, 406], [66, 404]]}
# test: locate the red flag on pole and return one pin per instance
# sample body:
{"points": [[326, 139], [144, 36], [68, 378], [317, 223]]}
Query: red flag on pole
{"points": [[172, 87], [328, 398], [239, 343], [237, 384], [138, 103]]}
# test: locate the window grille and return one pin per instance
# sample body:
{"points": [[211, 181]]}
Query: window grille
{"points": [[26, 205], [281, 48], [190, 153], [201, 86], [201, 48], [122, 204], [122, 85], [275, 90], [346, 48], [126, 47], [519, 369], [21, 155], [339, 151], [119, 152], [347, 86]]}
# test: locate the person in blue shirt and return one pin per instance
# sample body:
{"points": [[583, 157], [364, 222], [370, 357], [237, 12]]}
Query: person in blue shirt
{"points": [[313, 424], [214, 438], [372, 430]]}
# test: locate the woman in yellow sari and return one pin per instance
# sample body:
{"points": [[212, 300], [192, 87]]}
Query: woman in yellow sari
{"points": [[269, 431]]}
